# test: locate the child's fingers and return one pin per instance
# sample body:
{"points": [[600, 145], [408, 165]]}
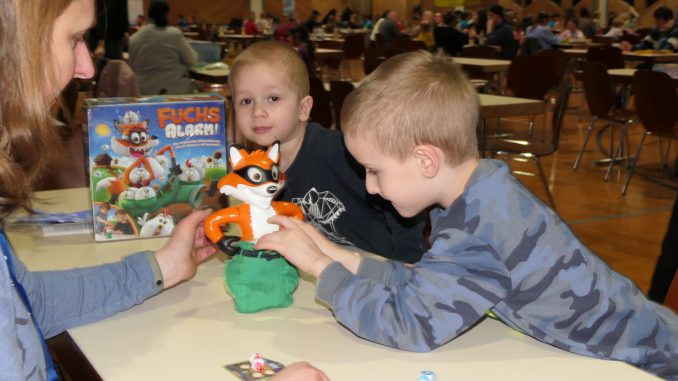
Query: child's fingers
{"points": [[283, 221]]}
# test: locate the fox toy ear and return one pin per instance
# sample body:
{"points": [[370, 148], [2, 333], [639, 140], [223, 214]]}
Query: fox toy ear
{"points": [[234, 156], [273, 152]]}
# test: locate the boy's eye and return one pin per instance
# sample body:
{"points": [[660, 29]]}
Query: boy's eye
{"points": [[274, 98], [245, 101]]}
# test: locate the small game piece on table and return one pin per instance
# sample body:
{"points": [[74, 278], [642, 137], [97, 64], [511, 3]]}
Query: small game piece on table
{"points": [[257, 363], [427, 375], [256, 369]]}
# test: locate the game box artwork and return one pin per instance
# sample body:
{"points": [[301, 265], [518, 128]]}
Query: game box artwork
{"points": [[153, 160]]}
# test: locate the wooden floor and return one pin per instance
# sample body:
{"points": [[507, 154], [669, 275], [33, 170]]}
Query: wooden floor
{"points": [[625, 231]]}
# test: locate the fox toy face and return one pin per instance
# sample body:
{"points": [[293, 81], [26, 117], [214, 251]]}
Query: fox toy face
{"points": [[255, 178], [134, 140]]}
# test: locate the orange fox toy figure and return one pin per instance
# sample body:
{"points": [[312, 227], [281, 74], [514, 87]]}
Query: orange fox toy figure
{"points": [[256, 279]]}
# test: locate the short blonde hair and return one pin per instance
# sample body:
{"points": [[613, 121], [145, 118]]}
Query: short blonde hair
{"points": [[275, 54], [411, 99]]}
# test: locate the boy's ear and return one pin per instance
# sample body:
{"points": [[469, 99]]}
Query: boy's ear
{"points": [[305, 108], [429, 159]]}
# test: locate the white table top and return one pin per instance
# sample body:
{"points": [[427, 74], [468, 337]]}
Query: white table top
{"points": [[192, 330], [483, 64]]}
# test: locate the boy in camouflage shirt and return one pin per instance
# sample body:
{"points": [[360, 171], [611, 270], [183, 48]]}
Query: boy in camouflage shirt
{"points": [[494, 245]]}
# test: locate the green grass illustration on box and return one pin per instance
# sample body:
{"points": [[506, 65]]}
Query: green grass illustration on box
{"points": [[153, 160]]}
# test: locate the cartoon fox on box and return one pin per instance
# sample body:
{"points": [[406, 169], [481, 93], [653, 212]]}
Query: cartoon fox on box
{"points": [[256, 279]]}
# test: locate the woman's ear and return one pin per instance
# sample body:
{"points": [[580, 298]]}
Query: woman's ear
{"points": [[305, 108], [429, 159]]}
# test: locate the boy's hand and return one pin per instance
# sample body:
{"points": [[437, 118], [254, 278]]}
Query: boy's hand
{"points": [[300, 371], [187, 247], [296, 245]]}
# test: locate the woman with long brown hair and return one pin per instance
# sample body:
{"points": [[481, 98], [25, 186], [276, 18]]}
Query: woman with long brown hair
{"points": [[41, 50]]}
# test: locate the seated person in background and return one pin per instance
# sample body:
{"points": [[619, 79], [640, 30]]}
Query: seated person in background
{"points": [[160, 55], [663, 36], [617, 28], [301, 41], [449, 39], [389, 29], [542, 33], [250, 25], [494, 245], [500, 33], [572, 32], [426, 35], [282, 31], [270, 88], [586, 23]]}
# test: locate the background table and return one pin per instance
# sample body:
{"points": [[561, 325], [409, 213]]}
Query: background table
{"points": [[192, 330]]}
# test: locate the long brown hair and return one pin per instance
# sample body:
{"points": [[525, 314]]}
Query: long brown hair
{"points": [[28, 136]]}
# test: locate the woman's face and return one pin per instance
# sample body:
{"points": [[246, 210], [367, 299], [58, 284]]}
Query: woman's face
{"points": [[70, 56]]}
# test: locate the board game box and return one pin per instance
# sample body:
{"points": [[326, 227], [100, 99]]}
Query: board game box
{"points": [[153, 160]]}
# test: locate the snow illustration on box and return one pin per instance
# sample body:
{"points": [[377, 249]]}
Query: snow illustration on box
{"points": [[153, 163]]}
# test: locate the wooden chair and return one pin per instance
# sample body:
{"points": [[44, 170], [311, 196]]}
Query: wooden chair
{"points": [[322, 109], [610, 56], [537, 146], [330, 65], [402, 42], [414, 45], [600, 99], [530, 77], [353, 47], [559, 64], [671, 300], [479, 51], [373, 57], [605, 40], [656, 105], [338, 92], [631, 38]]}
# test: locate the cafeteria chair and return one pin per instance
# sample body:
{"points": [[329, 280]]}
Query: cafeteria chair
{"points": [[536, 147], [353, 47], [485, 83], [631, 38], [373, 57], [610, 56], [414, 45], [530, 77], [671, 299], [321, 112], [479, 51], [600, 99], [330, 65], [338, 92], [657, 109], [605, 40], [560, 63]]}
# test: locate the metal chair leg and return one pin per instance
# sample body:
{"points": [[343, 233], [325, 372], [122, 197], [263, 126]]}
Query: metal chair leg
{"points": [[634, 163], [544, 182], [620, 150], [586, 140]]}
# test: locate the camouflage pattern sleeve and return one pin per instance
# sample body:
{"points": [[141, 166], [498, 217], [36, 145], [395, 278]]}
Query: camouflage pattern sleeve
{"points": [[443, 296]]}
